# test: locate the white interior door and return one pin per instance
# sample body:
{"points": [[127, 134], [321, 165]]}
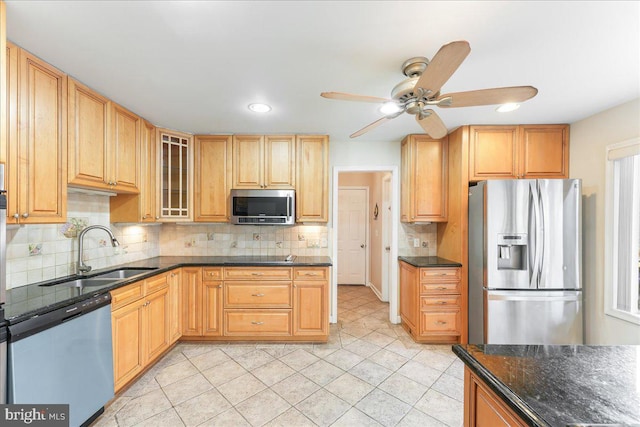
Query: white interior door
{"points": [[352, 235]]}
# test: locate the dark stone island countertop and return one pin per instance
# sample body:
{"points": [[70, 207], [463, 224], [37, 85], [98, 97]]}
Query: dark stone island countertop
{"points": [[38, 298], [549, 385], [428, 261]]}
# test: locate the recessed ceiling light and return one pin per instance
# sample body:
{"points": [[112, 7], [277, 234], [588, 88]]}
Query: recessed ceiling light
{"points": [[505, 108], [389, 108], [259, 108]]}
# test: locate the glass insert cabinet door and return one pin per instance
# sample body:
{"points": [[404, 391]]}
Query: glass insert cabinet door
{"points": [[175, 169]]}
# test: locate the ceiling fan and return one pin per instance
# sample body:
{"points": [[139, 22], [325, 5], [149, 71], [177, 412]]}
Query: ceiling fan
{"points": [[421, 90]]}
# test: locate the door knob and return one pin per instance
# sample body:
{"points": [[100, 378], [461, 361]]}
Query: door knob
{"points": [[387, 248], [362, 246]]}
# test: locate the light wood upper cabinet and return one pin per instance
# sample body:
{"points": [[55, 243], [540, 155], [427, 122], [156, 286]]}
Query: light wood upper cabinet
{"points": [[141, 207], [528, 151], [104, 142], [424, 179], [493, 152], [176, 175], [312, 178], [36, 140], [544, 151], [125, 143], [213, 171], [89, 123], [264, 161]]}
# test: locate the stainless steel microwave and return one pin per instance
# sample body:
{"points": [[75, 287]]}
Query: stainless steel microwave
{"points": [[263, 207]]}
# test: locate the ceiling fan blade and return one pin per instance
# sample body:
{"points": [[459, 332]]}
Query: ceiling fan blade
{"points": [[442, 66], [500, 95], [432, 124], [350, 97], [368, 127]]}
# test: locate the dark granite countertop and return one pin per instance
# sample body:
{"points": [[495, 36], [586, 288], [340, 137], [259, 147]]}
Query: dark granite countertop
{"points": [[38, 298], [428, 261], [549, 385]]}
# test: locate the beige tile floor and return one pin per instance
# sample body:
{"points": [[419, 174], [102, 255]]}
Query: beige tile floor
{"points": [[370, 373]]}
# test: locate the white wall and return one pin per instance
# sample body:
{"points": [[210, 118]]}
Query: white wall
{"points": [[589, 137]]}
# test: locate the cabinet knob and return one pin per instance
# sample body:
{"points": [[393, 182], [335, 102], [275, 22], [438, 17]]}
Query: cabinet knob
{"points": [[157, 218], [25, 215], [16, 216], [219, 286]]}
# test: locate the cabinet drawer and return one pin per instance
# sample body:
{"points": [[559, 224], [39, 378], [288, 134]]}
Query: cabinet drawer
{"points": [[440, 321], [439, 274], [156, 283], [440, 288], [433, 302], [212, 273], [258, 273], [251, 294], [125, 295], [310, 273], [257, 322]]}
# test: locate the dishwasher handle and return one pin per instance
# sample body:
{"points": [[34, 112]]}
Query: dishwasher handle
{"points": [[39, 323]]}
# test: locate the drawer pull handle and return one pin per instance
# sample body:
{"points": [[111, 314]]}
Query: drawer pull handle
{"points": [[440, 322], [257, 295], [311, 274], [257, 323], [256, 274], [441, 302], [441, 288]]}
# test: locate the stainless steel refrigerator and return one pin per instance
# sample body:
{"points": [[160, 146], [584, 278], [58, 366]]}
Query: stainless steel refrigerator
{"points": [[525, 243]]}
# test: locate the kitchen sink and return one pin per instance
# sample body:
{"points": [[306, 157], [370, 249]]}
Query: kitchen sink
{"points": [[124, 273], [85, 283]]}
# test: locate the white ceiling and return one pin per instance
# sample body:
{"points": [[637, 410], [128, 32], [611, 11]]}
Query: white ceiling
{"points": [[195, 66]]}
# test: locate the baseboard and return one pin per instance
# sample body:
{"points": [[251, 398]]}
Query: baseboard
{"points": [[375, 291]]}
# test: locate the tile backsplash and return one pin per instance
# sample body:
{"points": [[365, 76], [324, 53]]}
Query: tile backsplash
{"points": [[427, 239], [247, 240], [46, 251]]}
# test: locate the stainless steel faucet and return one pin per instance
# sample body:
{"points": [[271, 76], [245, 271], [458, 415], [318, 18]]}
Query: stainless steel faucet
{"points": [[82, 267]]}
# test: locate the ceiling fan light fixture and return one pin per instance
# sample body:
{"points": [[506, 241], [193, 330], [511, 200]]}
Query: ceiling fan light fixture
{"points": [[389, 108], [259, 108], [505, 108]]}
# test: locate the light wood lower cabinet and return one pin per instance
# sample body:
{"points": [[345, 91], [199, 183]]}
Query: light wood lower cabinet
{"points": [[311, 306], [430, 303], [255, 303], [175, 312], [140, 319], [482, 407], [215, 303]]}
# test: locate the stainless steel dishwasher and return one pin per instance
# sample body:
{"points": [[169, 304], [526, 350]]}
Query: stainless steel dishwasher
{"points": [[64, 357]]}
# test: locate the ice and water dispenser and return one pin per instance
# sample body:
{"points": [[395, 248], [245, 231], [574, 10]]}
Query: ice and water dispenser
{"points": [[512, 251]]}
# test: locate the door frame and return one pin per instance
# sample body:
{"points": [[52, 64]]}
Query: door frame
{"points": [[367, 251], [387, 226], [395, 221]]}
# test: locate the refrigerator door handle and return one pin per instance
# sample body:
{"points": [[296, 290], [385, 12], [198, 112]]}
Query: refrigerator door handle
{"points": [[542, 230], [534, 241]]}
